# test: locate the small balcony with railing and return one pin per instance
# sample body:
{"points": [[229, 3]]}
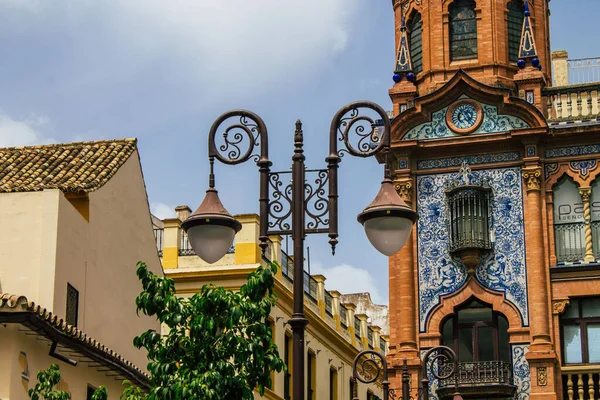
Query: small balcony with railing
{"points": [[574, 94], [477, 380], [581, 382]]}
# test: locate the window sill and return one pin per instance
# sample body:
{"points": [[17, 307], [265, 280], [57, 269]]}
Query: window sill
{"points": [[574, 271]]}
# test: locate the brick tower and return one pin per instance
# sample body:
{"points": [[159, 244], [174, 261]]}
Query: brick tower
{"points": [[480, 154]]}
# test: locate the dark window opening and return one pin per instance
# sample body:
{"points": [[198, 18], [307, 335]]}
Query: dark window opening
{"points": [[415, 32], [463, 30], [477, 333], [516, 16], [72, 305]]}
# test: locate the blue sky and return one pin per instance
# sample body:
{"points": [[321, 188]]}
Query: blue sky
{"points": [[162, 71]]}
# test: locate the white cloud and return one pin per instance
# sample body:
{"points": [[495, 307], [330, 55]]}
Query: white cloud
{"points": [[162, 210], [226, 47], [347, 279], [25, 132]]}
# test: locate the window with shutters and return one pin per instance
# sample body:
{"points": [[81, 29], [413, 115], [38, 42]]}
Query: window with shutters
{"points": [[463, 30], [516, 15], [415, 31]]}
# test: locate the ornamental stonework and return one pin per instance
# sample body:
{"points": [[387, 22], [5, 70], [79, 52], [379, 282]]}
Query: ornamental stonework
{"points": [[532, 177]]}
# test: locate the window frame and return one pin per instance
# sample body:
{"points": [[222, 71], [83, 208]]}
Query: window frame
{"points": [[412, 35], [510, 10], [582, 322], [72, 316], [451, 40], [475, 326]]}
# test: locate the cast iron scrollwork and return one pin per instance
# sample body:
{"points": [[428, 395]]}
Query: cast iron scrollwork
{"points": [[280, 206], [239, 139], [369, 366], [316, 203], [357, 129]]}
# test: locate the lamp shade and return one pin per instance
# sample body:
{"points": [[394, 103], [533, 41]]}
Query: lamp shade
{"points": [[211, 228], [387, 220]]}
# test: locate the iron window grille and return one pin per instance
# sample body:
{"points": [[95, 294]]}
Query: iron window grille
{"points": [[72, 309]]}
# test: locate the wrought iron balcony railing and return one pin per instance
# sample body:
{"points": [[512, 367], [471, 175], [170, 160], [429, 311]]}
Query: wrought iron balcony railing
{"points": [[481, 379]]}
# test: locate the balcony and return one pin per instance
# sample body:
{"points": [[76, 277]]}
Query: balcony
{"points": [[478, 380], [581, 382]]}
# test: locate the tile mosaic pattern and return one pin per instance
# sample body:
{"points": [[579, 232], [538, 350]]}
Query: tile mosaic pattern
{"points": [[521, 371], [502, 270], [471, 160], [492, 123], [71, 167], [572, 151]]}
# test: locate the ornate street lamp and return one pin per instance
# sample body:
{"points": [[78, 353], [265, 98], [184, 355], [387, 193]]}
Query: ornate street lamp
{"points": [[387, 220], [371, 366]]}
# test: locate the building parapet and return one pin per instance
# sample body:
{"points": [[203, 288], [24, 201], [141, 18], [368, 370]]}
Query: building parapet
{"points": [[177, 255]]}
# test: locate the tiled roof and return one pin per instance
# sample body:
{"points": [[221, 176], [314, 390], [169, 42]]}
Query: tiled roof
{"points": [[10, 303], [70, 167]]}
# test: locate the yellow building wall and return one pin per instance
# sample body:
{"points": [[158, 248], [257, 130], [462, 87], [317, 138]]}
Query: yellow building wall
{"points": [[46, 242], [74, 379]]}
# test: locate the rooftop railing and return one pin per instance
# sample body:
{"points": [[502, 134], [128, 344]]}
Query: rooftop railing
{"points": [[583, 70], [573, 102]]}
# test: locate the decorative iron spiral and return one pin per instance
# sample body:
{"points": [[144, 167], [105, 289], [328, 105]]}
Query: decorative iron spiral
{"points": [[239, 138], [441, 355], [368, 369], [354, 126]]}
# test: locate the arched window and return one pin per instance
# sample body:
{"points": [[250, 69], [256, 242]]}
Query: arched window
{"points": [[415, 30], [569, 227], [477, 333], [595, 213], [463, 30], [516, 15]]}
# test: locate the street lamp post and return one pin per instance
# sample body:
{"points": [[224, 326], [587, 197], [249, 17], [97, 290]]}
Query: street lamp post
{"points": [[387, 220], [370, 366]]}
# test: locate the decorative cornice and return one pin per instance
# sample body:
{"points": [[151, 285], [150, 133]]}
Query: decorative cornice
{"points": [[533, 178]]}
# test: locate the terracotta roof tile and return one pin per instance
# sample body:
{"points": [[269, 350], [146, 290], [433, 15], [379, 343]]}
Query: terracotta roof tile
{"points": [[70, 167], [18, 304]]}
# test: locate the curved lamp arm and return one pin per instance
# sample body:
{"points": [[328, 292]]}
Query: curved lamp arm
{"points": [[240, 139], [346, 123]]}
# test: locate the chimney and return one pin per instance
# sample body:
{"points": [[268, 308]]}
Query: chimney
{"points": [[182, 212]]}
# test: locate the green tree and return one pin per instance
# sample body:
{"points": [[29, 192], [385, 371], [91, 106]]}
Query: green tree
{"points": [[48, 379], [217, 344]]}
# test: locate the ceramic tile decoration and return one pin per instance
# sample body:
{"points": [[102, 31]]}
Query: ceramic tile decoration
{"points": [[522, 375], [583, 167], [471, 160], [502, 270], [492, 123], [572, 151]]}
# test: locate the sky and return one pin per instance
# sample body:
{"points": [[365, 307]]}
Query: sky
{"points": [[163, 71]]}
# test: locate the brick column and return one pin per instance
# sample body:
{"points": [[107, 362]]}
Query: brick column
{"points": [[541, 356], [403, 297]]}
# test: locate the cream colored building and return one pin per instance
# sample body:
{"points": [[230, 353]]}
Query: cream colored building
{"points": [[335, 333], [75, 221]]}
